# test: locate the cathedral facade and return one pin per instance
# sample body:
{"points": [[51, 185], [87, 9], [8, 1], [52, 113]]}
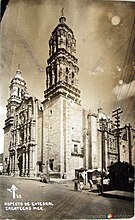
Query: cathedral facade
{"points": [[21, 129], [57, 135]]}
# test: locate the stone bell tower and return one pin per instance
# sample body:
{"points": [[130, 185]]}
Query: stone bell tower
{"points": [[62, 70], [17, 91], [62, 120]]}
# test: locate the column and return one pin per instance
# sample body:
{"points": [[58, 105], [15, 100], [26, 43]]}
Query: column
{"points": [[30, 110], [11, 163], [24, 133], [31, 160], [16, 164], [28, 162], [23, 168], [61, 69], [8, 168], [17, 136], [54, 44], [58, 71], [47, 79], [50, 47], [25, 163], [60, 74], [48, 76], [53, 74], [65, 64], [32, 130], [26, 159], [70, 74], [28, 132], [76, 76]]}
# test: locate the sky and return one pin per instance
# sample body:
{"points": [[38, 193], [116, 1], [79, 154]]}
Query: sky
{"points": [[104, 31]]}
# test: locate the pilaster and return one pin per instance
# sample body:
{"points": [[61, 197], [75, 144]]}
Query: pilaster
{"points": [[30, 160], [16, 164], [24, 163]]}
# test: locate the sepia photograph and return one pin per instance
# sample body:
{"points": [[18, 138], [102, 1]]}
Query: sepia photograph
{"points": [[67, 109]]}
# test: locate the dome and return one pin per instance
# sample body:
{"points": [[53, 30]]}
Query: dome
{"points": [[18, 80], [102, 115], [18, 75]]}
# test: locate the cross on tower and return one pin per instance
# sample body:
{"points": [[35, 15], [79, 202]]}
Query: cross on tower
{"points": [[62, 12], [18, 66]]}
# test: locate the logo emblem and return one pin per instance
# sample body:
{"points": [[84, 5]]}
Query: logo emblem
{"points": [[13, 191]]}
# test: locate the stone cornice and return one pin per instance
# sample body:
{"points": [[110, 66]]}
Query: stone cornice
{"points": [[64, 54]]}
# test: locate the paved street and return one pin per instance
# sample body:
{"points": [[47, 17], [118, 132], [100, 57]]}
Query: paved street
{"points": [[36, 200]]}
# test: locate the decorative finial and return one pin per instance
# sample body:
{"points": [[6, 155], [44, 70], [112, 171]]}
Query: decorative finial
{"points": [[62, 12], [18, 71], [100, 108]]}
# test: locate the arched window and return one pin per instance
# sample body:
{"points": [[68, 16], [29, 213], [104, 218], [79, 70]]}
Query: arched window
{"points": [[22, 92], [18, 92], [73, 76], [55, 73], [50, 79], [66, 77]]}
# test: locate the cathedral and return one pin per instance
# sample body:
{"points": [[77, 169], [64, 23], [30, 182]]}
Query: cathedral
{"points": [[56, 136]]}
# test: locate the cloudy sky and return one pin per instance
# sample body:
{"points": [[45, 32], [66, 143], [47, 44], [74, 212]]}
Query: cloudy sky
{"points": [[104, 31]]}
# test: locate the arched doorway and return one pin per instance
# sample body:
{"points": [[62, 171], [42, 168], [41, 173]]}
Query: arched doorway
{"points": [[20, 164]]}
